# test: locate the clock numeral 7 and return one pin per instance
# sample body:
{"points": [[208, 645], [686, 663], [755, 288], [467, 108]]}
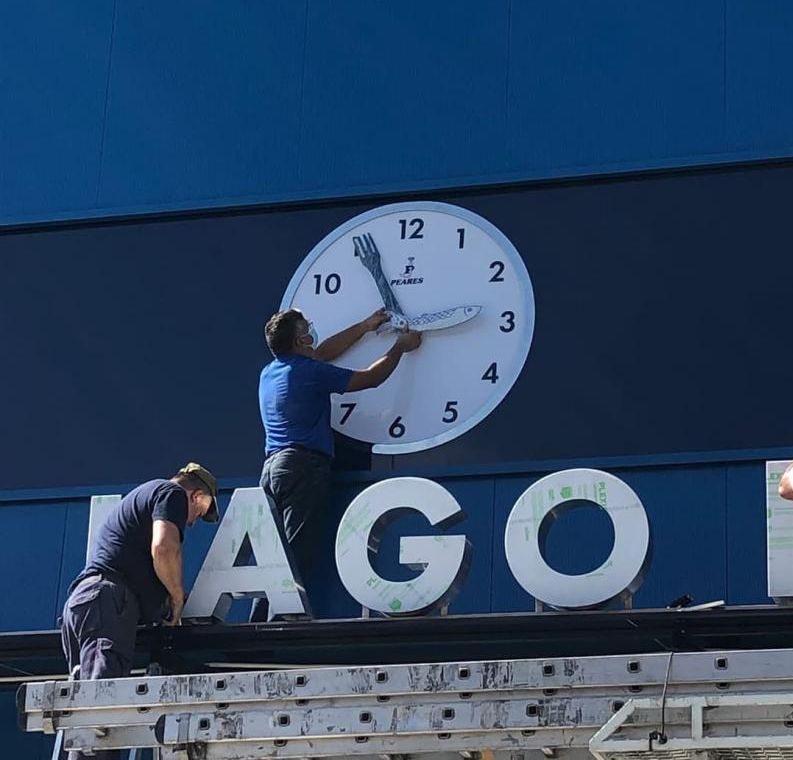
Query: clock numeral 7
{"points": [[397, 429], [492, 373], [332, 283], [450, 412], [348, 406], [416, 234]]}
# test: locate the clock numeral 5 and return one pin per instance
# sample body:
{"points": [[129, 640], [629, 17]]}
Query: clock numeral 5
{"points": [[416, 234], [397, 429], [348, 406], [492, 373], [332, 283], [450, 412], [509, 325]]}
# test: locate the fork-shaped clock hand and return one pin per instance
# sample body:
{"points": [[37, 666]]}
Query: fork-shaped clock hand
{"points": [[366, 251]]}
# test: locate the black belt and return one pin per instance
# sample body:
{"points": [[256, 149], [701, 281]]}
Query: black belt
{"points": [[305, 449]]}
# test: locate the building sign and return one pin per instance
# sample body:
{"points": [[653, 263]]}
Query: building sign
{"points": [[443, 559]]}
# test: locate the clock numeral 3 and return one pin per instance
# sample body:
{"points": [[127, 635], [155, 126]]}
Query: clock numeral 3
{"points": [[348, 406], [332, 284], [417, 225], [499, 267], [491, 374], [450, 412], [509, 316], [397, 429]]}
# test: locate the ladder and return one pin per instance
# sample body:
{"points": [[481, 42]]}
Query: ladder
{"points": [[721, 704]]}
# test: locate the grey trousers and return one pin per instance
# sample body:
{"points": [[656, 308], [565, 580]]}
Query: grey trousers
{"points": [[98, 635], [298, 482]]}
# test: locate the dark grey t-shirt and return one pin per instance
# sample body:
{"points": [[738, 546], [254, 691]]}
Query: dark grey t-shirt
{"points": [[122, 548]]}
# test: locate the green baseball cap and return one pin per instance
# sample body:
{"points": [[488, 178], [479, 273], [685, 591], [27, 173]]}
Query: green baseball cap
{"points": [[210, 481]]}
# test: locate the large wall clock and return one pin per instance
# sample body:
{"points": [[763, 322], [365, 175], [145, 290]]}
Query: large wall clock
{"points": [[437, 268]]}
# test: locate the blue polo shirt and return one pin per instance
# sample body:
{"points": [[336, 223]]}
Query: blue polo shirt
{"points": [[294, 401]]}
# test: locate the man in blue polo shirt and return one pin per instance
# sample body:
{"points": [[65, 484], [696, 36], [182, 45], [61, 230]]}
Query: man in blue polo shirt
{"points": [[294, 400]]}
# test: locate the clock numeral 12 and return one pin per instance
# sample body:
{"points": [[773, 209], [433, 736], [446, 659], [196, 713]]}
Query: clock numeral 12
{"points": [[416, 233], [491, 374], [397, 429], [332, 283], [450, 412], [348, 406]]}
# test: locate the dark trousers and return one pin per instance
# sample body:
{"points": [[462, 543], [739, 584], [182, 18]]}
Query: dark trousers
{"points": [[98, 635], [298, 482]]}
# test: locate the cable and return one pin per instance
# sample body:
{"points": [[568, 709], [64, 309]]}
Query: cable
{"points": [[660, 736]]}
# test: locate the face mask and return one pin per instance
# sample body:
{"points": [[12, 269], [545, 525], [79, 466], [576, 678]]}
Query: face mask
{"points": [[312, 334]]}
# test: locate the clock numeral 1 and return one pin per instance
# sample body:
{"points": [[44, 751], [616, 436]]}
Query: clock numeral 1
{"points": [[397, 429], [509, 325], [461, 233], [348, 406], [450, 412], [499, 267], [491, 374], [417, 225], [332, 283]]}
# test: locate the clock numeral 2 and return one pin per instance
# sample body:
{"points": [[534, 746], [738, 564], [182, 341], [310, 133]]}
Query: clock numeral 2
{"points": [[332, 283], [416, 234], [491, 374], [397, 429], [509, 325], [450, 412], [348, 406], [499, 267]]}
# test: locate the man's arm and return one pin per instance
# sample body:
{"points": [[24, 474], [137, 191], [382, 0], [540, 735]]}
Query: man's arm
{"points": [[337, 344], [786, 484], [166, 552], [378, 372]]}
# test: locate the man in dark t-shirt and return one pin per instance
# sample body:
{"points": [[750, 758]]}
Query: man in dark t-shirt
{"points": [[294, 401], [134, 572]]}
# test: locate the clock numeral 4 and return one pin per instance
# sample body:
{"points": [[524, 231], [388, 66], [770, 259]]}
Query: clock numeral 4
{"points": [[492, 373], [332, 284], [397, 429], [416, 225], [450, 412], [498, 266], [509, 324], [348, 406]]}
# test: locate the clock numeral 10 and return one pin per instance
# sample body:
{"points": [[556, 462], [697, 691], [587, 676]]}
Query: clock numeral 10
{"points": [[332, 283], [397, 429], [450, 412], [348, 406], [492, 373], [416, 224]]}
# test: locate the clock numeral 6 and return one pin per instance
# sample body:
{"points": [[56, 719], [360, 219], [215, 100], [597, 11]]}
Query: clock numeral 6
{"points": [[509, 325], [491, 374], [499, 267], [450, 412], [397, 429], [332, 283], [416, 224], [348, 406]]}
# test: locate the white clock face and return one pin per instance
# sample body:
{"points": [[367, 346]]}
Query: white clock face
{"points": [[456, 278]]}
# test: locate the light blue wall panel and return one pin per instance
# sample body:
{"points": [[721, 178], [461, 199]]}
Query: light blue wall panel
{"points": [[615, 82], [204, 102], [759, 73], [53, 78], [409, 91]]}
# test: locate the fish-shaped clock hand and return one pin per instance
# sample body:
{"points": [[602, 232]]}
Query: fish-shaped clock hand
{"points": [[366, 251]]}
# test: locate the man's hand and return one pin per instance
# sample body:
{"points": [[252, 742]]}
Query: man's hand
{"points": [[408, 341], [372, 322], [176, 605]]}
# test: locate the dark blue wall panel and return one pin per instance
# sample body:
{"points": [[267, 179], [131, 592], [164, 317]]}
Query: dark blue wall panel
{"points": [[115, 107]]}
